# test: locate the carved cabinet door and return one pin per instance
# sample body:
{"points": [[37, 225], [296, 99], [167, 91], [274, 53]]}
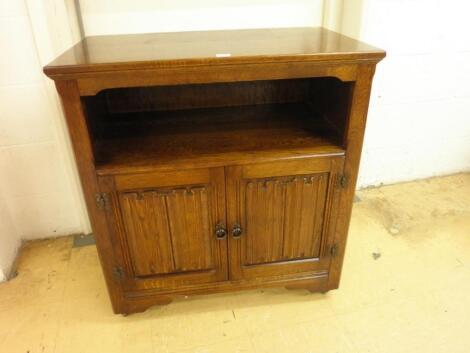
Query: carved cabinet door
{"points": [[169, 228], [281, 217]]}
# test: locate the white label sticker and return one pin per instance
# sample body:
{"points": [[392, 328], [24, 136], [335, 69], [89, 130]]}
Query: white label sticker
{"points": [[223, 55]]}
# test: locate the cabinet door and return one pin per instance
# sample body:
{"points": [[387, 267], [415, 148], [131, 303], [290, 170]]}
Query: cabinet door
{"points": [[166, 224], [281, 217]]}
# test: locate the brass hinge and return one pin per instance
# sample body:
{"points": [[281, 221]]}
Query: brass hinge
{"points": [[102, 201], [334, 250], [343, 181], [118, 273]]}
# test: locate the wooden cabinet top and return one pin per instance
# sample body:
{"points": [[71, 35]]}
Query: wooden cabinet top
{"points": [[100, 54]]}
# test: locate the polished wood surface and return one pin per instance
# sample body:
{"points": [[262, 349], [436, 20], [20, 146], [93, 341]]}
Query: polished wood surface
{"points": [[164, 239], [354, 135], [284, 209], [195, 96], [207, 173], [83, 150], [289, 210], [213, 137], [91, 84], [145, 51], [166, 228]]}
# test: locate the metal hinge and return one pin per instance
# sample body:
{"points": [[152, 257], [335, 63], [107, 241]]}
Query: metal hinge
{"points": [[118, 273], [102, 201], [334, 250], [343, 181]]}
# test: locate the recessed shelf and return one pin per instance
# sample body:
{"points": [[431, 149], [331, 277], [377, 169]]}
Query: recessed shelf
{"points": [[211, 137]]}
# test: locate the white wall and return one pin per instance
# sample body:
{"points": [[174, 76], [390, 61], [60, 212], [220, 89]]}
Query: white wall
{"points": [[38, 197], [419, 117], [9, 241], [138, 16]]}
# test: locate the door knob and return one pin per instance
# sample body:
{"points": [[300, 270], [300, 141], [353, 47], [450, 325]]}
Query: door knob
{"points": [[220, 231], [237, 230]]}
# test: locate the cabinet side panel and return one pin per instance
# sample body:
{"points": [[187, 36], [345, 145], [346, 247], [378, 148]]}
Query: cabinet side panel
{"points": [[79, 135], [354, 137]]}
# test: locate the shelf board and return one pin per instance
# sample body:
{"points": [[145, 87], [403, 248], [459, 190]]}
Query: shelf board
{"points": [[211, 137]]}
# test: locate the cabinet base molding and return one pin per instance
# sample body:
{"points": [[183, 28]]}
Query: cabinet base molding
{"points": [[140, 305], [137, 302]]}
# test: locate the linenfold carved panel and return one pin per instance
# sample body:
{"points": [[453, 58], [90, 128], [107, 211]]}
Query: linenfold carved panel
{"points": [[168, 231], [284, 218]]}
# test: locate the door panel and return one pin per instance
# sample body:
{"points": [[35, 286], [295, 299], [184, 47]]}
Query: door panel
{"points": [[167, 233], [189, 217], [284, 218], [148, 233], [284, 209]]}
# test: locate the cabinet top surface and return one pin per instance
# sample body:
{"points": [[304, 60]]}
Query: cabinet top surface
{"points": [[161, 50]]}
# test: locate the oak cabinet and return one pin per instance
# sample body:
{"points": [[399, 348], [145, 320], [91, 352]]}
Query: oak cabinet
{"points": [[205, 173]]}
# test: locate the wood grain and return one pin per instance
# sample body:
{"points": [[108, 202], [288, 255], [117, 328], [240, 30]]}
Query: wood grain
{"points": [[354, 136], [83, 150], [175, 142], [156, 50], [166, 234], [264, 223], [149, 237], [192, 228], [304, 208], [282, 216], [225, 94], [213, 137]]}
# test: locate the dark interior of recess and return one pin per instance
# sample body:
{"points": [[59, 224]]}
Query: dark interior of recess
{"points": [[138, 126]]}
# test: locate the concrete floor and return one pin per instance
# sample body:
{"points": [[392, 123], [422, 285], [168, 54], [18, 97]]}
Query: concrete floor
{"points": [[405, 288]]}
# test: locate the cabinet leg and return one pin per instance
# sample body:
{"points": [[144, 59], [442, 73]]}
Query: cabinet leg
{"points": [[311, 287], [141, 305]]}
